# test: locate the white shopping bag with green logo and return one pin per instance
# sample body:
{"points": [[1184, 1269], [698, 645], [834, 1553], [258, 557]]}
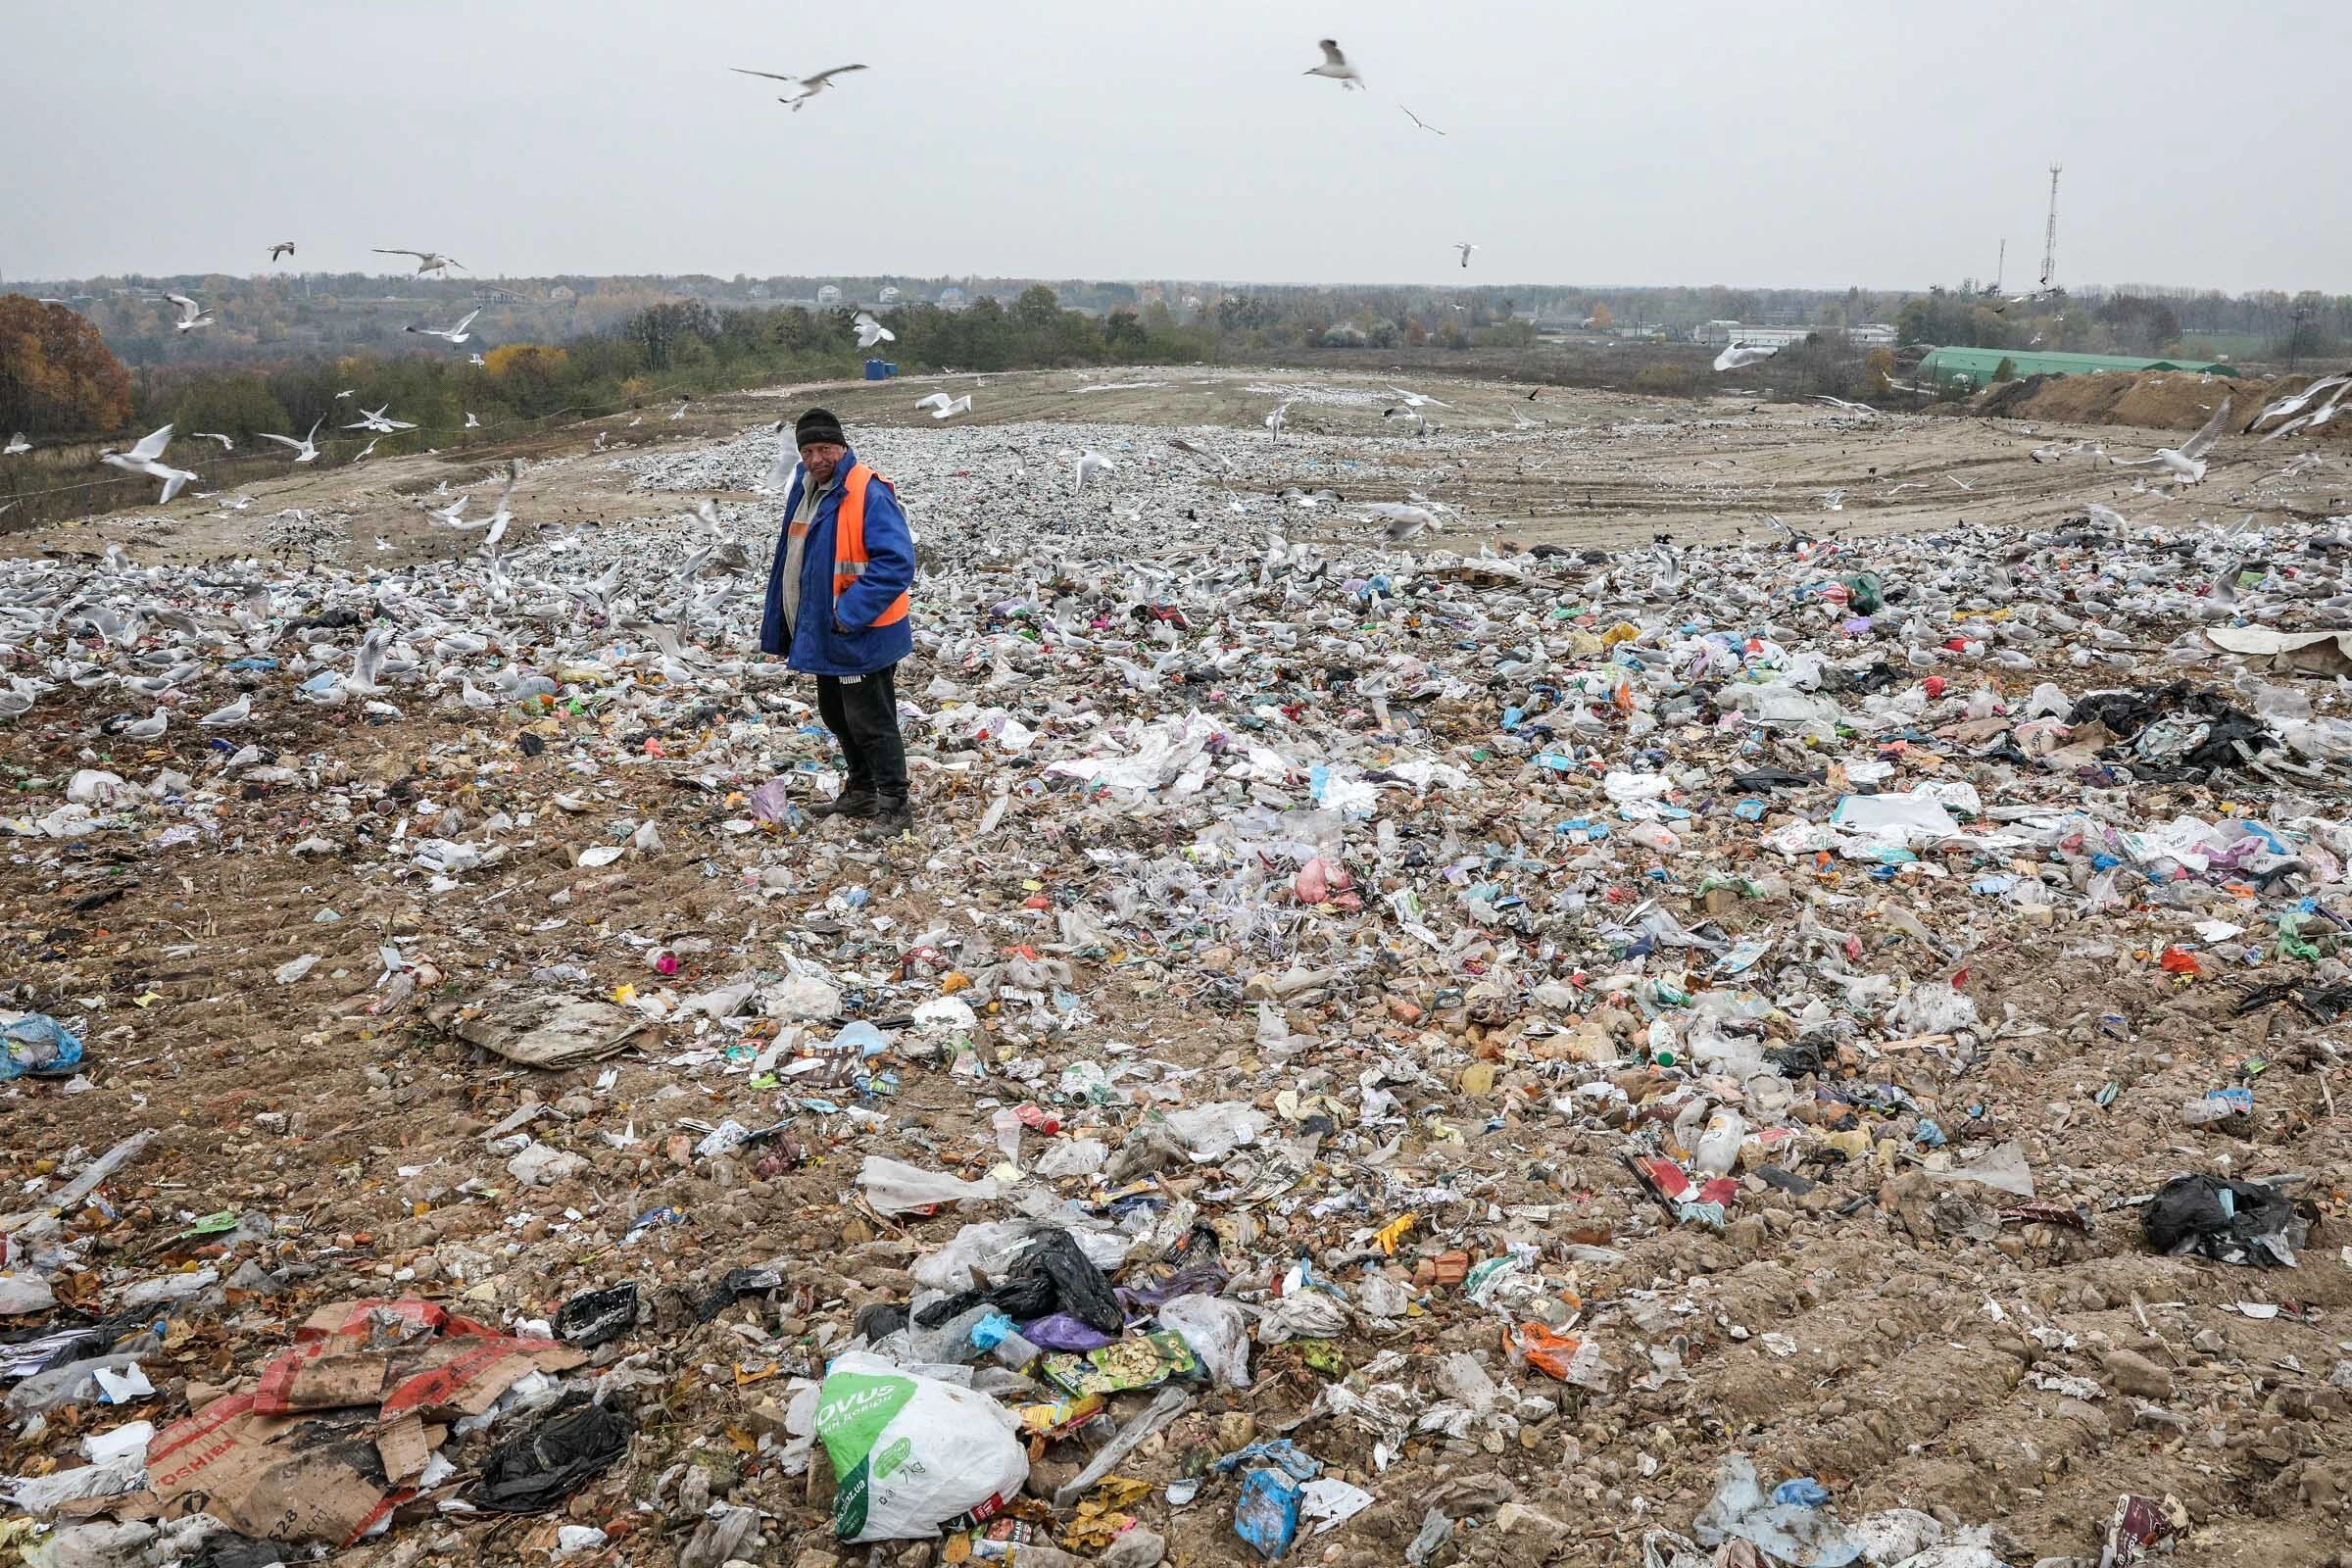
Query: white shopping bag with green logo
{"points": [[911, 1454]]}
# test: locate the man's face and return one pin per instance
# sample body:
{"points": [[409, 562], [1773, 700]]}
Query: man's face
{"points": [[822, 458]]}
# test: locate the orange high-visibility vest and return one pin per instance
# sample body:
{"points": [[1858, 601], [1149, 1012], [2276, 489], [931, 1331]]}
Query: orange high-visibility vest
{"points": [[848, 543]]}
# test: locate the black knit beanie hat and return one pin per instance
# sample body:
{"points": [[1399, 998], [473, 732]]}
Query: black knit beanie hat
{"points": [[817, 424]]}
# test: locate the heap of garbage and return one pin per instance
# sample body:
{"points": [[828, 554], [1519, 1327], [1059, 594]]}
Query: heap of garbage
{"points": [[1395, 1052]]}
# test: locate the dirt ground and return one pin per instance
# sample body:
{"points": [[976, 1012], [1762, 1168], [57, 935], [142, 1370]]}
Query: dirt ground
{"points": [[1907, 1374]]}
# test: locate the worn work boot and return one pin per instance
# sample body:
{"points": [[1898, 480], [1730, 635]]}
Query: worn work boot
{"points": [[849, 803], [889, 818]]}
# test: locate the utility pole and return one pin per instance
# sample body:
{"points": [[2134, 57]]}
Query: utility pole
{"points": [[2049, 241], [2001, 268], [2294, 335]]}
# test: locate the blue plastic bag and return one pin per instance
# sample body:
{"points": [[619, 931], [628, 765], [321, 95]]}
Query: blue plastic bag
{"points": [[36, 1044]]}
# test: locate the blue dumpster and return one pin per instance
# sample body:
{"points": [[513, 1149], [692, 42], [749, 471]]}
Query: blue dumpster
{"points": [[881, 369]]}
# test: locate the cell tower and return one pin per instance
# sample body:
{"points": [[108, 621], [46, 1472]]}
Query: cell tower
{"points": [[2049, 241]]}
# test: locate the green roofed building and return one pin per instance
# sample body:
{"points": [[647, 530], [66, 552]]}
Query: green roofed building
{"points": [[1975, 368]]}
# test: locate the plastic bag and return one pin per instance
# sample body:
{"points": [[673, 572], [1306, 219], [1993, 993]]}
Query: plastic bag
{"points": [[1052, 1276], [531, 1472], [912, 1453], [1218, 1332], [592, 1317], [2229, 1222], [896, 1188], [38, 1044]]}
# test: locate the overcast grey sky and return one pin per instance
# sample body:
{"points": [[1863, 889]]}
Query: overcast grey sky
{"points": [[1813, 142]]}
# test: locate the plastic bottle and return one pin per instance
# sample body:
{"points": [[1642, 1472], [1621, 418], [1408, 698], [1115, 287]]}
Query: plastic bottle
{"points": [[952, 1344], [1719, 1146]]}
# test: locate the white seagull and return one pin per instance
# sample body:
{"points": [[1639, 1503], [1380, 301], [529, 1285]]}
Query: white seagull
{"points": [[235, 713], [16, 444], [1465, 247], [1415, 400], [147, 458], [473, 423], [1091, 462], [1736, 355], [455, 334], [426, 261], [809, 86], [476, 360], [949, 410], [283, 247], [450, 517], [2186, 461], [306, 449], [937, 400], [871, 331], [1423, 123], [1335, 66], [226, 445], [1274, 420], [375, 421], [191, 314]]}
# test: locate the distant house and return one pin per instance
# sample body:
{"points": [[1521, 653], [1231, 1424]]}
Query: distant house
{"points": [[828, 296], [562, 294], [1975, 367], [889, 294], [950, 298]]}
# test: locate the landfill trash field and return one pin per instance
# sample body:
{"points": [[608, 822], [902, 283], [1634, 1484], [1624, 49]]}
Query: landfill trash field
{"points": [[1618, 982]]}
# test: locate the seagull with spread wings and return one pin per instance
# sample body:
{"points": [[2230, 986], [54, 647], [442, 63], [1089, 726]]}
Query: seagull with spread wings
{"points": [[283, 247], [871, 331], [147, 458], [1421, 123], [1335, 66], [306, 450], [426, 261], [191, 314], [1465, 247], [809, 86], [2185, 462], [455, 334]]}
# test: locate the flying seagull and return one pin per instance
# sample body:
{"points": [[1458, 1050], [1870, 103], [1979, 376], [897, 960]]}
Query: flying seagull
{"points": [[1465, 247], [2186, 461], [948, 411], [226, 445], [937, 400], [367, 451], [455, 334], [1415, 400], [809, 86], [147, 458], [377, 423], [1423, 123], [1736, 355], [871, 331], [16, 444], [305, 450], [1091, 462], [472, 422], [426, 261], [1335, 66], [499, 518], [1203, 452], [285, 247], [476, 360], [191, 314]]}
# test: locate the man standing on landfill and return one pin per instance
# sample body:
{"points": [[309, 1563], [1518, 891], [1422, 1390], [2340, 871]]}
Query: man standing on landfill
{"points": [[837, 608]]}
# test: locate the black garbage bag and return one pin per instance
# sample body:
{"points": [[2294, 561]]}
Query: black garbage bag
{"points": [[537, 1469], [1054, 1275], [2229, 1222], [592, 1317], [739, 1283], [877, 1321]]}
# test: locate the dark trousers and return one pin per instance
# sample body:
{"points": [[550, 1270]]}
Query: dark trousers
{"points": [[862, 712]]}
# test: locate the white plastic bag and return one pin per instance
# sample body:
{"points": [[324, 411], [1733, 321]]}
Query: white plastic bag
{"points": [[1218, 1332], [893, 1187], [912, 1453]]}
